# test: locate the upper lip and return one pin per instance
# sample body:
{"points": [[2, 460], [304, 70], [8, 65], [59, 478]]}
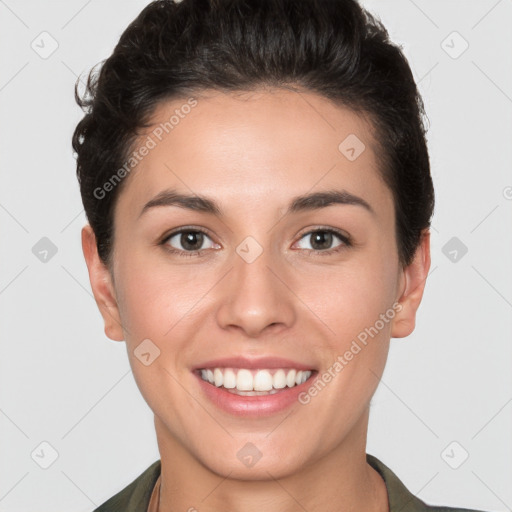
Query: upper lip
{"points": [[253, 363]]}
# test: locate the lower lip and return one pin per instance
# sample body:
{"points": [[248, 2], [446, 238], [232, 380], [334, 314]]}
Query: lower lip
{"points": [[262, 405]]}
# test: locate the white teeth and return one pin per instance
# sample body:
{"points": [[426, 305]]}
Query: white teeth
{"points": [[253, 381], [229, 379], [244, 380], [218, 378], [262, 381], [279, 380], [290, 378]]}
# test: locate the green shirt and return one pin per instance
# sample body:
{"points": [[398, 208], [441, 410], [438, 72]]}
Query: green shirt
{"points": [[135, 497]]}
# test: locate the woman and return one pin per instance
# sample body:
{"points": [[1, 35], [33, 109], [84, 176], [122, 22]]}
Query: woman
{"points": [[257, 185]]}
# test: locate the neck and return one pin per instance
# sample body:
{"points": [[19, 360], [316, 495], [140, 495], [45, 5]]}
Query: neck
{"points": [[341, 481]]}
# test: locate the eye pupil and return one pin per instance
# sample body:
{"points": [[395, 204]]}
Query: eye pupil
{"points": [[189, 238], [323, 238]]}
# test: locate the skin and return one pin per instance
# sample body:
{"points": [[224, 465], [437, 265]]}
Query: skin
{"points": [[252, 153]]}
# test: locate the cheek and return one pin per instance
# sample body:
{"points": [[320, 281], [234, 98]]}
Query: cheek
{"points": [[351, 296], [154, 297], [355, 302], [154, 301]]}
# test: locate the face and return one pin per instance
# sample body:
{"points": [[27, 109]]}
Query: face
{"points": [[278, 279]]}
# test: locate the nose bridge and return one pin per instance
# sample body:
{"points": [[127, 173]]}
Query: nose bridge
{"points": [[256, 297]]}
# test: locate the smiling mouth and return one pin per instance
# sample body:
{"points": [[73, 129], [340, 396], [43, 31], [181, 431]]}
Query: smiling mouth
{"points": [[251, 382]]}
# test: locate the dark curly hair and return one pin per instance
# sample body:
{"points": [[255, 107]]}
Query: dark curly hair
{"points": [[331, 47]]}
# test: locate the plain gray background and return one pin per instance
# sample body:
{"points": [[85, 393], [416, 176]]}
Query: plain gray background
{"points": [[446, 393]]}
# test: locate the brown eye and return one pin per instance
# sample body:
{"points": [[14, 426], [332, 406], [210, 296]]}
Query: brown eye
{"points": [[321, 240], [188, 240]]}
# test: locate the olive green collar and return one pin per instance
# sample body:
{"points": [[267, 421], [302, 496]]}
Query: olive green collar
{"points": [[135, 497]]}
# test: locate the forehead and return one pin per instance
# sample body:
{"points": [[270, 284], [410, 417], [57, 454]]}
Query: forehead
{"points": [[255, 148]]}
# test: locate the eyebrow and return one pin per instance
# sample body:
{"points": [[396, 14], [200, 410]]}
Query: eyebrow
{"points": [[307, 202]]}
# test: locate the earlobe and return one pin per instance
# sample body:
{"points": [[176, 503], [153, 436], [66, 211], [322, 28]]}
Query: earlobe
{"points": [[414, 279], [102, 286]]}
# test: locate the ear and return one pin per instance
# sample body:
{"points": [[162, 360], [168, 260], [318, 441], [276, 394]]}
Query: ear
{"points": [[412, 285], [102, 287]]}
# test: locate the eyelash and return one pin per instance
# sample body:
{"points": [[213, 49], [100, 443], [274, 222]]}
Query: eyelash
{"points": [[185, 254], [347, 242]]}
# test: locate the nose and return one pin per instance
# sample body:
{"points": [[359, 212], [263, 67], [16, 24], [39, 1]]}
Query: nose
{"points": [[256, 297]]}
